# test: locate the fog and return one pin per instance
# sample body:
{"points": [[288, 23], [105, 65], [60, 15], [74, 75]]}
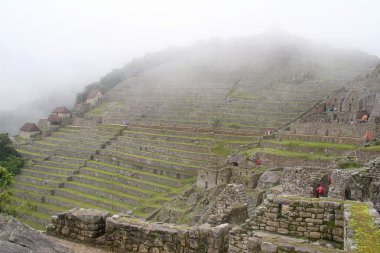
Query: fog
{"points": [[49, 50]]}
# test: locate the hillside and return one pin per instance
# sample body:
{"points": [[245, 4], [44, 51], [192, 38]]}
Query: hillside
{"points": [[188, 108]]}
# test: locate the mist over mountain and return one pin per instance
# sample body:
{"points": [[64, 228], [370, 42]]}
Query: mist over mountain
{"points": [[269, 57]]}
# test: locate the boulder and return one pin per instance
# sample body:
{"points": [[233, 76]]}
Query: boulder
{"points": [[269, 179], [15, 237]]}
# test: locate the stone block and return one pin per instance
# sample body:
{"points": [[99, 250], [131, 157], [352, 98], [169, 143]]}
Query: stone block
{"points": [[253, 244], [270, 228], [314, 235], [337, 231], [305, 214], [268, 247], [283, 231], [273, 223], [314, 221]]}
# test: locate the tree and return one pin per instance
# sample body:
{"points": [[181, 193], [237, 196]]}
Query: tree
{"points": [[9, 158], [217, 122], [6, 180], [12, 163]]}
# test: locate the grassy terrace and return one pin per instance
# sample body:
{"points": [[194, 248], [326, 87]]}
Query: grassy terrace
{"points": [[317, 145], [288, 154], [162, 156], [367, 235]]}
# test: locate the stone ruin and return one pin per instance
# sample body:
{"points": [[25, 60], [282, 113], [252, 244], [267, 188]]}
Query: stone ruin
{"points": [[127, 234], [338, 119], [295, 222]]}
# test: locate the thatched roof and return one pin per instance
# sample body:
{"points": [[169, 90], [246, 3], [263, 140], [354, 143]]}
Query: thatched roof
{"points": [[61, 109], [93, 93], [29, 127]]}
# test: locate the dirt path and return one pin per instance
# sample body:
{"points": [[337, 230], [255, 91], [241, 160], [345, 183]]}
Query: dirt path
{"points": [[78, 247]]}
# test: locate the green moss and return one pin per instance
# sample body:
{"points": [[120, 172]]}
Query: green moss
{"points": [[367, 236], [349, 165]]}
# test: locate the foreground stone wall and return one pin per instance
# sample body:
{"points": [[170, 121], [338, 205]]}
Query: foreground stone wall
{"points": [[127, 234], [302, 218], [84, 225], [311, 220]]}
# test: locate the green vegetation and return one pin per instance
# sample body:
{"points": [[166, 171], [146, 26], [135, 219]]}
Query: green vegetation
{"points": [[317, 145], [367, 235], [289, 154], [220, 149], [349, 165], [6, 180], [99, 110], [216, 122], [9, 158]]}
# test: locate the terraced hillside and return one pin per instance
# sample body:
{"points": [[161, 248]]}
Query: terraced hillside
{"points": [[186, 112], [244, 85], [121, 170]]}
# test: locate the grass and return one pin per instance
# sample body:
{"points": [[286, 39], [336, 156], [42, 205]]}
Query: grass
{"points": [[96, 188], [367, 235], [349, 165], [128, 178], [135, 171], [95, 198], [221, 150], [288, 154], [153, 159], [317, 145], [110, 182]]}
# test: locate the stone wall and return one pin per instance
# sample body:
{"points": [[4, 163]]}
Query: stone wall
{"points": [[302, 181], [231, 206], [277, 222], [302, 218], [127, 234], [138, 236], [360, 184], [84, 225]]}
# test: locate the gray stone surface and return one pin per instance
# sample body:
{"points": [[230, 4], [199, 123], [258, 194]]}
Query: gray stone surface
{"points": [[15, 237]]}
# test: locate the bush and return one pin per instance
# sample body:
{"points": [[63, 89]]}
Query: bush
{"points": [[9, 158], [12, 163], [6, 180]]}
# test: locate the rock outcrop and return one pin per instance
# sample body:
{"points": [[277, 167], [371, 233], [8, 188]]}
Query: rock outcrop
{"points": [[15, 237]]}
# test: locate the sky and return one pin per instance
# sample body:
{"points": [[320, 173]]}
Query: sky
{"points": [[55, 48]]}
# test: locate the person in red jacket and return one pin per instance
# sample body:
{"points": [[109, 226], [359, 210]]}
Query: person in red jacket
{"points": [[320, 191], [258, 162]]}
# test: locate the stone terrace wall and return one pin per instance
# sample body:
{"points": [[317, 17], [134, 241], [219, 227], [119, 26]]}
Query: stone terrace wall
{"points": [[84, 225], [302, 218], [283, 217], [127, 234]]}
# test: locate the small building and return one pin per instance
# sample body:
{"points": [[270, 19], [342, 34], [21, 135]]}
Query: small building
{"points": [[54, 120], [94, 96], [62, 112], [29, 130]]}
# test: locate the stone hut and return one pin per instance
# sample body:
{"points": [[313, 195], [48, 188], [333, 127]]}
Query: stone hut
{"points": [[54, 120], [94, 96], [62, 112], [213, 176], [29, 130]]}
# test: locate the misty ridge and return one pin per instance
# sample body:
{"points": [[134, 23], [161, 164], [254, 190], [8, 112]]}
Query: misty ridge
{"points": [[265, 55]]}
